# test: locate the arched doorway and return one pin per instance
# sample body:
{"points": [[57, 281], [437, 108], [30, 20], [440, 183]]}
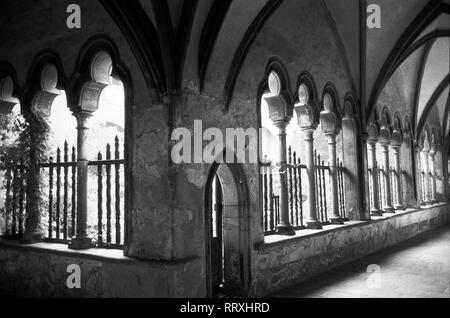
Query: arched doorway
{"points": [[227, 232]]}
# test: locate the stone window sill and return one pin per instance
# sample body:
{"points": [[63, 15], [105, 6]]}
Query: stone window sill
{"points": [[275, 240], [96, 254], [62, 249]]}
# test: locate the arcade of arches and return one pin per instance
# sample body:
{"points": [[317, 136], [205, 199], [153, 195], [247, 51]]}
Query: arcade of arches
{"points": [[353, 154]]}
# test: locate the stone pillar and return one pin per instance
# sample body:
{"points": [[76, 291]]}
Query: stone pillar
{"points": [[426, 181], [81, 240], [385, 147], [330, 125], [432, 174], [445, 164], [372, 145], [408, 175], [354, 157], [37, 116], [284, 227], [363, 179], [280, 113], [398, 170], [419, 174], [312, 222], [308, 120], [33, 233], [336, 217], [396, 144]]}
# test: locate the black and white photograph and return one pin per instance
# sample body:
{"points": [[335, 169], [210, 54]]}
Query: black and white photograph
{"points": [[225, 155]]}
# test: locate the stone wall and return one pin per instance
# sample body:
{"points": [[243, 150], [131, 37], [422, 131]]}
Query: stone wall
{"points": [[40, 270], [317, 51], [166, 214], [147, 121], [285, 263]]}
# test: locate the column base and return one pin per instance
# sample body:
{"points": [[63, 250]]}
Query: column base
{"points": [[285, 230], [31, 238], [400, 207], [81, 243], [337, 221], [314, 225], [376, 213], [389, 209]]}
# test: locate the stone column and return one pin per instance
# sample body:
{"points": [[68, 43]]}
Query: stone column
{"points": [[312, 222], [426, 181], [355, 158], [445, 165], [37, 116], [308, 120], [432, 174], [33, 232], [280, 113], [284, 227], [396, 144], [330, 125], [408, 175], [396, 149], [418, 172], [81, 239], [336, 217], [375, 209], [385, 147]]}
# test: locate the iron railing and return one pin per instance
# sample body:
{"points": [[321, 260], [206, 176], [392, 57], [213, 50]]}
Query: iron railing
{"points": [[61, 223], [105, 198], [297, 189], [382, 188], [15, 202]]}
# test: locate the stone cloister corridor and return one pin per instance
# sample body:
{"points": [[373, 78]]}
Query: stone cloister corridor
{"points": [[402, 273], [214, 149]]}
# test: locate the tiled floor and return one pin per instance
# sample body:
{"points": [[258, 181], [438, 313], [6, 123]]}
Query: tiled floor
{"points": [[417, 268]]}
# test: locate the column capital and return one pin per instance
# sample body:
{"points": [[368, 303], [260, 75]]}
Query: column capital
{"points": [[418, 149], [385, 136], [364, 137], [331, 136], [384, 142], [281, 125], [81, 114], [82, 117], [396, 139], [395, 147], [384, 145], [330, 122], [308, 116], [309, 134], [372, 142], [42, 103], [373, 133], [280, 110], [432, 152]]}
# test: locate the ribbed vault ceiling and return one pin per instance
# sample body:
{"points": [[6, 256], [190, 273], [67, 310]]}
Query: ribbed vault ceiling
{"points": [[436, 69], [423, 60], [183, 43]]}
